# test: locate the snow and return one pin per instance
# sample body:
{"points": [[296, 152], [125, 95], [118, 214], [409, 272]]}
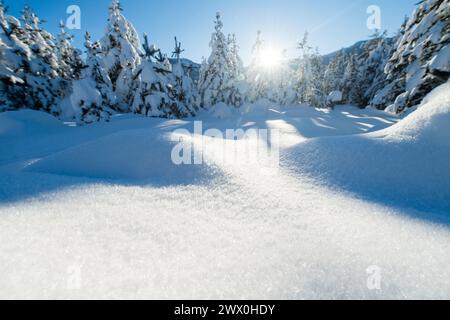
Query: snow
{"points": [[99, 211], [441, 61], [221, 111], [335, 97], [406, 164], [82, 91], [26, 123], [136, 155], [104, 211]]}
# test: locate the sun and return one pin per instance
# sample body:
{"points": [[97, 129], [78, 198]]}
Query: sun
{"points": [[270, 58]]}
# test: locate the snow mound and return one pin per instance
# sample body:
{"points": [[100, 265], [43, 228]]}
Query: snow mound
{"points": [[429, 124], [26, 122], [138, 155], [406, 164]]}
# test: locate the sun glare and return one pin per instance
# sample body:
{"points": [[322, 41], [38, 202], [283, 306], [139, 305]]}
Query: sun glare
{"points": [[270, 58]]}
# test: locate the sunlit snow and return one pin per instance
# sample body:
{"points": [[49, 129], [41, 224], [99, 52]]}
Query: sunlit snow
{"points": [[100, 211]]}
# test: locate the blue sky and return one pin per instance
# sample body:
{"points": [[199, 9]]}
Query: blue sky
{"points": [[333, 24]]}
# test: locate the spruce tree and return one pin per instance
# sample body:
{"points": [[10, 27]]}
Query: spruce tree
{"points": [[283, 83], [237, 87], [334, 73], [121, 54], [214, 84], [69, 58], [154, 94], [420, 62], [310, 77], [30, 59], [183, 90], [14, 58], [351, 86], [258, 83]]}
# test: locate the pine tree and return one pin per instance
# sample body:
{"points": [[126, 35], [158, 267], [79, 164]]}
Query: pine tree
{"points": [[370, 64], [14, 56], [237, 65], [258, 81], [310, 80], [154, 94], [31, 62], [214, 84], [283, 83], [69, 58], [315, 94], [121, 54], [335, 72], [237, 87], [352, 89], [183, 90], [420, 62], [97, 86]]}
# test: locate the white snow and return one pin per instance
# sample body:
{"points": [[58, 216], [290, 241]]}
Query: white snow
{"points": [[335, 96], [143, 155], [221, 111], [355, 190]]}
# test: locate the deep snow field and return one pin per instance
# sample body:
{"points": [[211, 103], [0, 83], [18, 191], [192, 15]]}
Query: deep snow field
{"points": [[101, 212]]}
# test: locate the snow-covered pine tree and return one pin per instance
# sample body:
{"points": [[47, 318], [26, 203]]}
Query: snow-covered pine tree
{"points": [[121, 54], [216, 74], [351, 88], [31, 57], [359, 75], [237, 87], [335, 72], [154, 93], [69, 58], [421, 59], [183, 90], [370, 64], [283, 92], [92, 98], [315, 94], [14, 55], [258, 85], [303, 74], [237, 65], [310, 75], [383, 48]]}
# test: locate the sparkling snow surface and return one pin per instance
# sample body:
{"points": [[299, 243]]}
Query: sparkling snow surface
{"points": [[84, 213]]}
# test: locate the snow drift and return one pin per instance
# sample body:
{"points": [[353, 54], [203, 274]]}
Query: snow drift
{"points": [[406, 164], [138, 155], [26, 122]]}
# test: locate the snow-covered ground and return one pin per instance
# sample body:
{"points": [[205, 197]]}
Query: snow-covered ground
{"points": [[101, 212]]}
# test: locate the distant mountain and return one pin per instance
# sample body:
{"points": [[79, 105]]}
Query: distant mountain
{"points": [[357, 47]]}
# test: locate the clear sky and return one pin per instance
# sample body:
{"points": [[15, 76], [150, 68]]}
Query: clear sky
{"points": [[332, 24]]}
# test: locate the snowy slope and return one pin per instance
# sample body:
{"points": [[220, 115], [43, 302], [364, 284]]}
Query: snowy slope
{"points": [[406, 164], [69, 231]]}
